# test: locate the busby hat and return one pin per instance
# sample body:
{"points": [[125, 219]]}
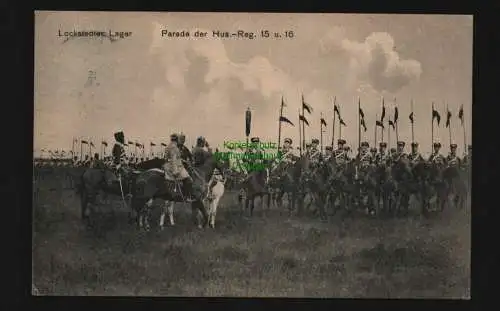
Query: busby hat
{"points": [[315, 141], [414, 144], [329, 148], [393, 149], [383, 144], [174, 137], [255, 140], [365, 144], [373, 149], [341, 141], [288, 140], [437, 145], [401, 143], [453, 146], [120, 137]]}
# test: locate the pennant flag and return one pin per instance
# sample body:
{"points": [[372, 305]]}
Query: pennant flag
{"points": [[361, 113], [363, 124], [306, 106], [396, 114], [379, 123], [283, 102], [152, 144], [448, 118], [336, 109], [130, 142], [342, 122], [137, 145], [392, 124], [323, 121], [436, 115], [92, 144], [303, 119], [163, 144], [461, 114], [285, 119], [411, 117], [383, 111], [84, 142], [104, 143]]}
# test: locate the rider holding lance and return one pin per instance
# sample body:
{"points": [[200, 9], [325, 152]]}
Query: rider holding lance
{"points": [[118, 152], [415, 157]]}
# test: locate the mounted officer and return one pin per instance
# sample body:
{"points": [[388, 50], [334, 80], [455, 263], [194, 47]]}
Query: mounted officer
{"points": [[340, 154], [414, 156], [328, 153], [436, 157], [186, 155], [382, 156], [452, 160], [315, 153], [364, 157], [467, 160], [175, 168], [118, 153], [373, 153]]}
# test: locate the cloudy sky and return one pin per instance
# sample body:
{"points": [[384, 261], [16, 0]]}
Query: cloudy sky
{"points": [[150, 86]]}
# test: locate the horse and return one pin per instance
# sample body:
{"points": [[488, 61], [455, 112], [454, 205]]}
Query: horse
{"points": [[342, 185], [152, 185], [101, 180], [318, 182], [455, 185], [256, 185], [402, 177], [284, 179]]}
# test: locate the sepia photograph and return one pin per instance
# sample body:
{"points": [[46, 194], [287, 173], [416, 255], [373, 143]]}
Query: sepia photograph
{"points": [[252, 155]]}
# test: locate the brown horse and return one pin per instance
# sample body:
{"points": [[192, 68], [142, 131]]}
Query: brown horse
{"points": [[152, 185]]}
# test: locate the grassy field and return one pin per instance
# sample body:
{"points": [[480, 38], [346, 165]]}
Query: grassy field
{"points": [[269, 255]]}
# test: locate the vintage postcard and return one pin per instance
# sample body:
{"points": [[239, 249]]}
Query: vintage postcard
{"points": [[252, 155]]}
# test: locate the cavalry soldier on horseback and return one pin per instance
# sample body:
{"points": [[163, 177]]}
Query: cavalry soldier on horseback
{"points": [[364, 158], [467, 160], [415, 157], [399, 154], [288, 152], [175, 167], [373, 153], [315, 153], [436, 157], [340, 154], [328, 152], [382, 157], [118, 153], [452, 160], [186, 155]]}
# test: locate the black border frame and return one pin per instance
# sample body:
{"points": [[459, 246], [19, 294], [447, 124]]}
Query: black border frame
{"points": [[18, 25]]}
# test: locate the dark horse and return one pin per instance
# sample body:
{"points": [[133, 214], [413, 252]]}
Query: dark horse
{"points": [[151, 185], [285, 179], [256, 185], [101, 180]]}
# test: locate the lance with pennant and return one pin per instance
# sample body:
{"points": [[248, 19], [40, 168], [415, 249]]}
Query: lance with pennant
{"points": [[333, 123], [279, 123], [248, 123], [375, 130], [359, 123], [412, 123], [300, 134]]}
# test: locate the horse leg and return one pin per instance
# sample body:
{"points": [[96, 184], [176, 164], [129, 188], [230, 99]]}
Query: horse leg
{"points": [[269, 195], [144, 214]]}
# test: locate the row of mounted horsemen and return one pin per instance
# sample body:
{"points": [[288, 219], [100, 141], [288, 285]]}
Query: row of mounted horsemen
{"points": [[376, 181]]}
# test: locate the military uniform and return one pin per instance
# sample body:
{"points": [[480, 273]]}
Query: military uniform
{"points": [[200, 155], [364, 157], [328, 152], [185, 153], [436, 157], [118, 151], [340, 154], [414, 156], [467, 160], [452, 160], [314, 153], [382, 157], [373, 153], [175, 167], [399, 153]]}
